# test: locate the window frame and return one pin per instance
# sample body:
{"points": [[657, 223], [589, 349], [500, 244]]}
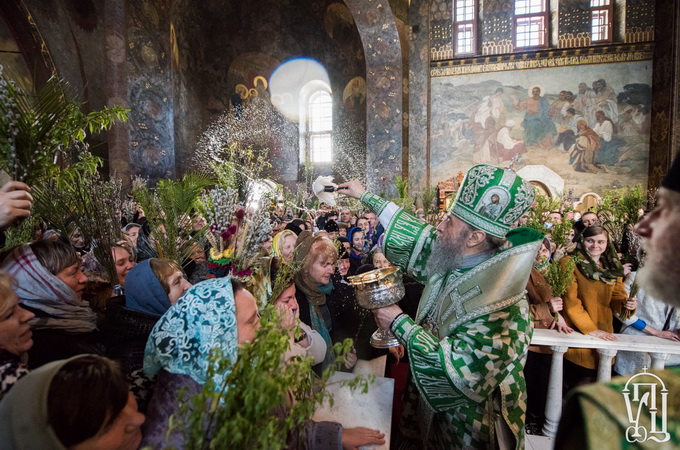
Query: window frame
{"points": [[544, 15], [310, 134], [456, 23], [610, 23]]}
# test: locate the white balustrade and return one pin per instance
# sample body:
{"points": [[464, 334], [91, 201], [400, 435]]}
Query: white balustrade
{"points": [[658, 349]]}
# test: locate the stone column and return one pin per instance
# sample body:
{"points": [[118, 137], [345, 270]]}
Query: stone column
{"points": [[665, 132]]}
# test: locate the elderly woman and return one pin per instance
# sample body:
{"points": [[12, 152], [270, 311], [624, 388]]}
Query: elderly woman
{"points": [[225, 320], [542, 305], [327, 303], [309, 343], [283, 246], [314, 286], [15, 336], [216, 313], [50, 284], [78, 403], [596, 293], [377, 258], [152, 287]]}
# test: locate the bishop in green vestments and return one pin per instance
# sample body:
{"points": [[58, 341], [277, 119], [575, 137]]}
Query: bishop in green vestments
{"points": [[468, 342]]}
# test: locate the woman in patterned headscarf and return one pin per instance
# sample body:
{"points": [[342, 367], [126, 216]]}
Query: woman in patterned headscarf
{"points": [[217, 313]]}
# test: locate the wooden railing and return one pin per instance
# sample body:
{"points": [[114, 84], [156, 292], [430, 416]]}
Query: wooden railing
{"points": [[658, 349]]}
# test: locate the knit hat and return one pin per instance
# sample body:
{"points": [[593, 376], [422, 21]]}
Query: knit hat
{"points": [[294, 228], [492, 199], [331, 226]]}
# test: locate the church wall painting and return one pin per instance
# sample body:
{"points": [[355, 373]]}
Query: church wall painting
{"points": [[498, 118]]}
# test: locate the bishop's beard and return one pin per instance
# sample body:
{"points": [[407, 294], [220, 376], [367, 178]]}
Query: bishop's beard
{"points": [[447, 254]]}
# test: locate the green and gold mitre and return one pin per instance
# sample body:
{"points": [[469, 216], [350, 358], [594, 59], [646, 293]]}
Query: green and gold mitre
{"points": [[492, 199]]}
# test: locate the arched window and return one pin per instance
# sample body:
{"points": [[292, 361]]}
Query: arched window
{"points": [[531, 24], [319, 135]]}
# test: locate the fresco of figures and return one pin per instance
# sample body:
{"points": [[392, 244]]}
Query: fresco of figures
{"points": [[588, 124]]}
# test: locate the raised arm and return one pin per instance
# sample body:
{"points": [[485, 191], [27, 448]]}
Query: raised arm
{"points": [[408, 240]]}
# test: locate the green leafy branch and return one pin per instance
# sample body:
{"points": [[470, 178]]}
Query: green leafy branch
{"points": [[77, 198], [36, 125], [263, 402], [170, 210], [620, 208]]}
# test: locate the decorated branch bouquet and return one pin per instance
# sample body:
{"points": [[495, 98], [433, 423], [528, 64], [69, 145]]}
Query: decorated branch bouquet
{"points": [[235, 234]]}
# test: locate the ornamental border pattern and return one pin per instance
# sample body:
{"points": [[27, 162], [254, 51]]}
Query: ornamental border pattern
{"points": [[544, 59], [425, 234]]}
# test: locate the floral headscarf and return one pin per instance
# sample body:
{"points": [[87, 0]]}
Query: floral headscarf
{"points": [[543, 265], [610, 269], [204, 318]]}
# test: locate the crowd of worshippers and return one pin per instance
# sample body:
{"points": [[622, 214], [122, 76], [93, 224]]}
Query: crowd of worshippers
{"points": [[78, 372]]}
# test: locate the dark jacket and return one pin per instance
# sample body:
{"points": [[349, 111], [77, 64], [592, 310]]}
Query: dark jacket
{"points": [[346, 319], [52, 344], [125, 334]]}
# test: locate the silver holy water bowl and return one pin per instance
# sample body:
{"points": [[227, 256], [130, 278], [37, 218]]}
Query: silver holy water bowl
{"points": [[377, 289]]}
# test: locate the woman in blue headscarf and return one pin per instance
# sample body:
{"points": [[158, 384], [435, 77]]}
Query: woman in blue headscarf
{"points": [[215, 313], [150, 288]]}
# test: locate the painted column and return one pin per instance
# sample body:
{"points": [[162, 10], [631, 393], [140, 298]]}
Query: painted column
{"points": [[115, 30], [150, 89], [384, 102]]}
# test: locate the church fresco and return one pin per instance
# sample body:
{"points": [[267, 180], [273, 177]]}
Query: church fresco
{"points": [[531, 117]]}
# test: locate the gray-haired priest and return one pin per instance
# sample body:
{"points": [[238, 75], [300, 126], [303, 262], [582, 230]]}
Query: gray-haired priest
{"points": [[468, 342]]}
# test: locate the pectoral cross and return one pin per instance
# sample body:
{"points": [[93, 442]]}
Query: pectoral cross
{"points": [[458, 301]]}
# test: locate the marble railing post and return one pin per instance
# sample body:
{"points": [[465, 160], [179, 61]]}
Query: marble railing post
{"points": [[604, 368], [658, 349], [553, 404], [659, 360]]}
